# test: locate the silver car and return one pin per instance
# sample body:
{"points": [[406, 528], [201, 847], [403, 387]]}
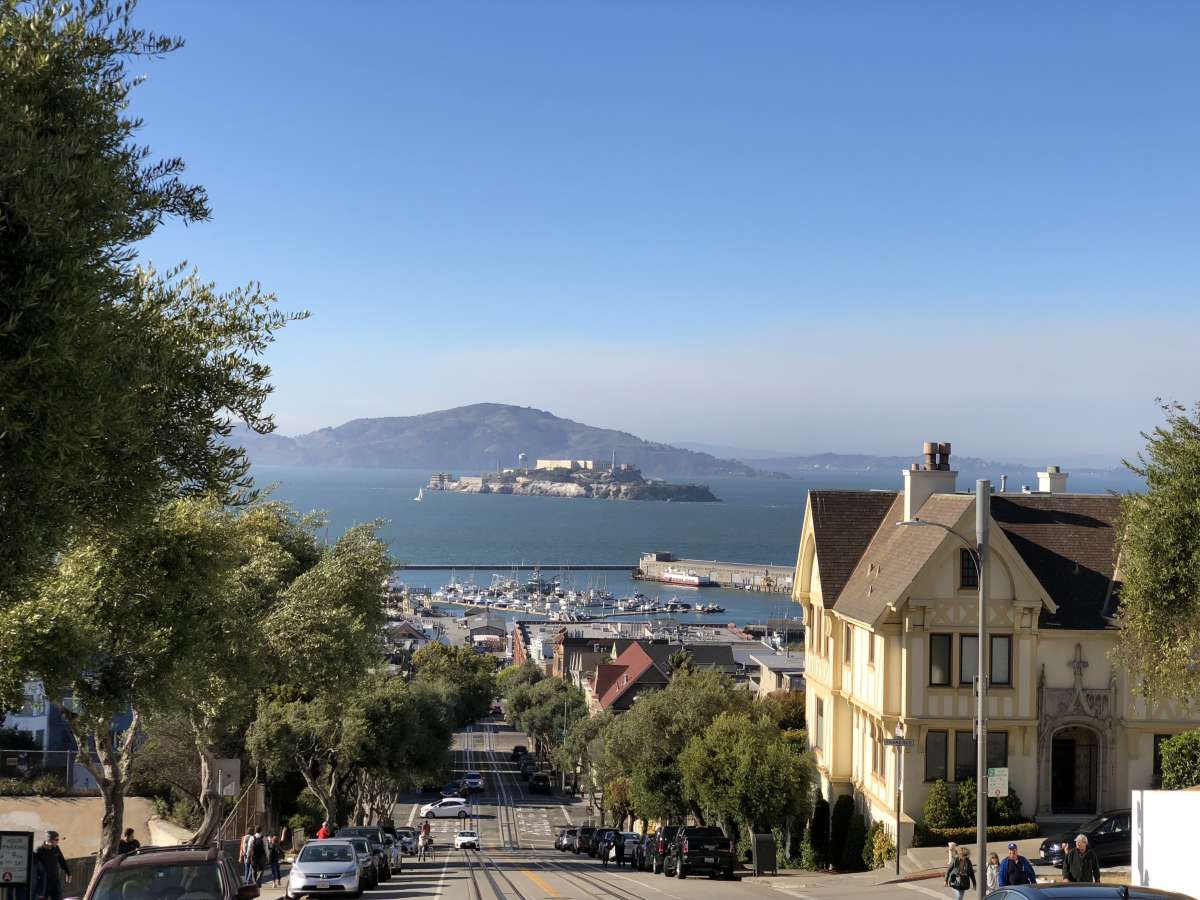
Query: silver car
{"points": [[326, 867], [407, 839]]}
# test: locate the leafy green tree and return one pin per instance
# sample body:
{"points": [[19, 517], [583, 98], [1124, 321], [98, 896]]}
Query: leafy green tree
{"points": [[681, 660], [856, 842], [1159, 611], [965, 803], [1181, 761], [818, 834], [939, 810], [472, 674], [582, 752], [118, 383], [740, 769], [546, 710], [839, 828], [618, 800], [509, 679], [786, 709]]}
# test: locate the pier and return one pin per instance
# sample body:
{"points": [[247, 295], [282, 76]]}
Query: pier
{"points": [[742, 576]]}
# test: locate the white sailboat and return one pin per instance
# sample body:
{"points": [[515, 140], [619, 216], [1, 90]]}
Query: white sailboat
{"points": [[420, 495]]}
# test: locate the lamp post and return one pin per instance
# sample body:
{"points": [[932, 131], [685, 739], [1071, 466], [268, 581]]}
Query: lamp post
{"points": [[979, 553], [899, 782]]}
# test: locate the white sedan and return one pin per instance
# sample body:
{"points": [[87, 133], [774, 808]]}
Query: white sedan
{"points": [[465, 839], [446, 808]]}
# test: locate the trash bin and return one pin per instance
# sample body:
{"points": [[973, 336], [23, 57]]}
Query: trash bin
{"points": [[763, 849]]}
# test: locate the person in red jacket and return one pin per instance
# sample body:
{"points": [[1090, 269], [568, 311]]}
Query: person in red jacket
{"points": [[325, 832]]}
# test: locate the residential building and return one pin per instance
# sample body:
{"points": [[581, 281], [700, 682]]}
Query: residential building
{"points": [[768, 672], [891, 643]]}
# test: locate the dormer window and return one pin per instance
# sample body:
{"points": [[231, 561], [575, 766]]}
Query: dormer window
{"points": [[968, 575]]}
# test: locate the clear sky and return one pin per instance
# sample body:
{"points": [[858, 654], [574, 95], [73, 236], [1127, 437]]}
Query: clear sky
{"points": [[799, 226]]}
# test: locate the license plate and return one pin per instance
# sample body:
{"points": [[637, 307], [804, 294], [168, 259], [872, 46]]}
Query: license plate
{"points": [[710, 859], [324, 886]]}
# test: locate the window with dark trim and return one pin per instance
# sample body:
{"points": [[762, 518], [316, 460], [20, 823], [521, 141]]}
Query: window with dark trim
{"points": [[935, 755], [964, 755], [997, 755], [968, 575], [870, 649], [847, 641], [939, 659], [819, 719], [968, 659], [1001, 661]]}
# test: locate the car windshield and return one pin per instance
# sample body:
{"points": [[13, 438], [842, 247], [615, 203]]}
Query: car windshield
{"points": [[323, 852], [198, 882], [1090, 825], [361, 845], [467, 834]]}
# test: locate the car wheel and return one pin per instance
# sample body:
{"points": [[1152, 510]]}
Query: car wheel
{"points": [[430, 815], [728, 873], [356, 894], [462, 813], [679, 872]]}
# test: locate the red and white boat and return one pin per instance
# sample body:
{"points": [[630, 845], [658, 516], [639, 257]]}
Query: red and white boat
{"points": [[685, 579]]}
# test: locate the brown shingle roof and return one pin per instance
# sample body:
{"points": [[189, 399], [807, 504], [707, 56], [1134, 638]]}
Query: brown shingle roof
{"points": [[637, 665], [1069, 543], [895, 555], [843, 524]]}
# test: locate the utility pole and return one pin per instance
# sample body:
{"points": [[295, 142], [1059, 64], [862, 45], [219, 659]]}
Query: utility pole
{"points": [[983, 515]]}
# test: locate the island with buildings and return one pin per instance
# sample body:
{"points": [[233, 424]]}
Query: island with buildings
{"points": [[574, 478]]}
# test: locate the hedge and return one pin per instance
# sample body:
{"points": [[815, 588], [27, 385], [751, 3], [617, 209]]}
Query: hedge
{"points": [[938, 837], [1181, 761]]}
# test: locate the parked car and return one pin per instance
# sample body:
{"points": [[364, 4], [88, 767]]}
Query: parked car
{"points": [[454, 789], [1109, 835], [583, 839], [630, 839], [539, 783], [699, 850], [1062, 891], [446, 808], [406, 837], [656, 852], [600, 843], [367, 862], [473, 782], [392, 846], [186, 870], [465, 839], [517, 752], [374, 835], [566, 839], [321, 867]]}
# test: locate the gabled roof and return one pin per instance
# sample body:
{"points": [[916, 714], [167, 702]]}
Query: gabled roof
{"points": [[895, 556], [843, 524], [638, 666], [704, 656], [1069, 542]]}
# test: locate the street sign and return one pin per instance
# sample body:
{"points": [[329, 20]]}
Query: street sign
{"points": [[997, 782], [229, 777], [15, 849], [906, 743]]}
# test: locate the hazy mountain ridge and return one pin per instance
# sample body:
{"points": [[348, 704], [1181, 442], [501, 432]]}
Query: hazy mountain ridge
{"points": [[476, 439]]}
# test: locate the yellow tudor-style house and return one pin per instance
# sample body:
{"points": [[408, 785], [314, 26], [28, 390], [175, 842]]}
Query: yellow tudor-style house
{"points": [[891, 641]]}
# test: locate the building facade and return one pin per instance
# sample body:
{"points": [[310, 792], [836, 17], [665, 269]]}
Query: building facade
{"points": [[891, 647]]}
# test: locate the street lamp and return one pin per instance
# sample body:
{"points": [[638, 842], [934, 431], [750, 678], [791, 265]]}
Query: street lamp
{"points": [[979, 552]]}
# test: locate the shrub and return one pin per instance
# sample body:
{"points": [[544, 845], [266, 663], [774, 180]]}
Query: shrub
{"points": [[1005, 810], [964, 804], [879, 847], [839, 827], [938, 811], [856, 840], [939, 837], [1181, 761], [811, 859], [818, 831], [49, 786], [15, 787]]}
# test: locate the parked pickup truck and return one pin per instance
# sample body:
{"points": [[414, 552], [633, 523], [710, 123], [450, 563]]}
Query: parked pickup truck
{"points": [[699, 850]]}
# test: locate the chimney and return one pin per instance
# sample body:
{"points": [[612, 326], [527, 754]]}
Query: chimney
{"points": [[1052, 481], [933, 477], [1003, 483]]}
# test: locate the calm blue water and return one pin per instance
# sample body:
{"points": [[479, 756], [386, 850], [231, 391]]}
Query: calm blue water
{"points": [[758, 521]]}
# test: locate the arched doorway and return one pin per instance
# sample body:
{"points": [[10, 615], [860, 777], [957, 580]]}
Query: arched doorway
{"points": [[1074, 770]]}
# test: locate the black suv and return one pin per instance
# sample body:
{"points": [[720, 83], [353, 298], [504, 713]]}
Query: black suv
{"points": [[1109, 835], [656, 850], [583, 840], [374, 836], [152, 871], [539, 783], [517, 752]]}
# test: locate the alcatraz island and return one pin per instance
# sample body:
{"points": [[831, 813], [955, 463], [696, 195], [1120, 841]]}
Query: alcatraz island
{"points": [[582, 479]]}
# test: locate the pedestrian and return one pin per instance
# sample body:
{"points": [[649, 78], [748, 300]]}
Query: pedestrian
{"points": [[128, 843], [619, 848], [324, 833], [1081, 863], [960, 876], [285, 839], [1015, 869], [274, 858], [38, 881], [993, 872], [951, 853], [55, 865], [244, 847], [258, 856], [423, 845]]}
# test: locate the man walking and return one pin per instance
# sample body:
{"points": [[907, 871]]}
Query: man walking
{"points": [[244, 856], [258, 856], [55, 865], [1081, 863], [324, 833], [1015, 869]]}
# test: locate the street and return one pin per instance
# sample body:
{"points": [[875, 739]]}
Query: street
{"points": [[517, 859]]}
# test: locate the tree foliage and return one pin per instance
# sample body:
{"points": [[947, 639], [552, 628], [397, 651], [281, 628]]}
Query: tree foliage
{"points": [[118, 383], [471, 674], [1159, 610], [939, 810], [546, 710], [513, 677], [1181, 761]]}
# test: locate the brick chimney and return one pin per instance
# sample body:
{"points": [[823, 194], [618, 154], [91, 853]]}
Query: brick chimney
{"points": [[1052, 481], [933, 476]]}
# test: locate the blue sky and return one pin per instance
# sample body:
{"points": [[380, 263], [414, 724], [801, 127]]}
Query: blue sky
{"points": [[810, 226]]}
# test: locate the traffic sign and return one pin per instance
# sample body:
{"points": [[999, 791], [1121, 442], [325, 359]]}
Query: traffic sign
{"points": [[15, 850], [997, 782], [906, 743]]}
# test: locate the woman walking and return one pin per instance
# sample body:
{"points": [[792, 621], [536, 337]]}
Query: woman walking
{"points": [[961, 874], [274, 857], [993, 872]]}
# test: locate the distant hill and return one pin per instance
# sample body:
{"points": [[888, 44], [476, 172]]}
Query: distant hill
{"points": [[475, 439]]}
